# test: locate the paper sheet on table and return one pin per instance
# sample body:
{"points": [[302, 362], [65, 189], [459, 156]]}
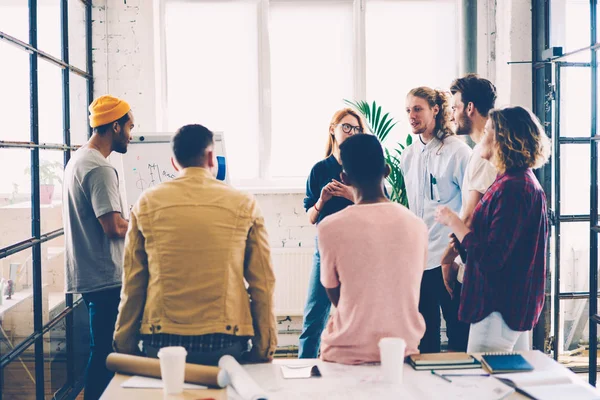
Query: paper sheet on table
{"points": [[563, 391], [243, 384], [143, 382]]}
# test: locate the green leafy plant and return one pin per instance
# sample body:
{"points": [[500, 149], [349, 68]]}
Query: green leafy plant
{"points": [[380, 125], [50, 172]]}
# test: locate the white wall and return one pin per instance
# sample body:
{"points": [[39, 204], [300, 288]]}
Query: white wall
{"points": [[125, 51], [124, 65]]}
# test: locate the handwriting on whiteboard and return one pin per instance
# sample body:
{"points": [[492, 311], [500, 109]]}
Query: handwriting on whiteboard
{"points": [[151, 176]]}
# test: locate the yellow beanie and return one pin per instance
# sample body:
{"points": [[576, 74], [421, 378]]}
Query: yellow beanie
{"points": [[107, 109]]}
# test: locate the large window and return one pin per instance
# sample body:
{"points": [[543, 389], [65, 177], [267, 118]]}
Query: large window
{"points": [[281, 68], [45, 98]]}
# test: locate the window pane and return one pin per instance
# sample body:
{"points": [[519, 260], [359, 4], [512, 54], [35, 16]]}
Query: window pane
{"points": [[575, 333], [17, 312], [55, 359], [79, 109], [14, 79], [50, 102], [51, 174], [18, 377], [575, 179], [575, 102], [15, 196], [48, 27], [393, 69], [14, 19], [53, 278], [311, 71], [574, 256], [215, 82], [570, 27], [77, 35]]}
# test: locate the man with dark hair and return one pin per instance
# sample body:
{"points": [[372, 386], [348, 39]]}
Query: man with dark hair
{"points": [[473, 98], [192, 244], [373, 255], [94, 230]]}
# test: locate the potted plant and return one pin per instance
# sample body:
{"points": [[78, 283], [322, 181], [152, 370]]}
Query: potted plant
{"points": [[49, 175], [380, 125]]}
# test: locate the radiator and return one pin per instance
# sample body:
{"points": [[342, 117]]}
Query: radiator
{"points": [[292, 270]]}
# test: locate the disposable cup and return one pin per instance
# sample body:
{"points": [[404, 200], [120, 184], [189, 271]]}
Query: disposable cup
{"points": [[392, 359], [172, 368]]}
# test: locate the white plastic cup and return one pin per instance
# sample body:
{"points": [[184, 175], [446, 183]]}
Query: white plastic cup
{"points": [[392, 359], [172, 368]]}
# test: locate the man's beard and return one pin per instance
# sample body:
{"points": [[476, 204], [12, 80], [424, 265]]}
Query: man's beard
{"points": [[465, 126]]}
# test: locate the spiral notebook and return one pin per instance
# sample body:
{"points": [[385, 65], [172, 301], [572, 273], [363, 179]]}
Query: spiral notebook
{"points": [[498, 363]]}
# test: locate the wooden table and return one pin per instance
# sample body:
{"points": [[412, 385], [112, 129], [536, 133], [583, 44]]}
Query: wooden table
{"points": [[338, 382]]}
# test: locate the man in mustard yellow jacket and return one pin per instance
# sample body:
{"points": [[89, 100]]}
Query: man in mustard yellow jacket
{"points": [[191, 244]]}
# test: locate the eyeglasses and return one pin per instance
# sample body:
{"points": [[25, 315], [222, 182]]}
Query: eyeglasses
{"points": [[347, 128]]}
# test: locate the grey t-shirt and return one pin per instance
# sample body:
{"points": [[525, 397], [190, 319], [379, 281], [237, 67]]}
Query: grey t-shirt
{"points": [[93, 262]]}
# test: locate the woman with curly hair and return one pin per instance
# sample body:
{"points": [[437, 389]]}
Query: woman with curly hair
{"points": [[503, 289], [434, 167]]}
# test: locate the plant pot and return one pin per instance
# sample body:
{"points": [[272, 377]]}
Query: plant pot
{"points": [[46, 193]]}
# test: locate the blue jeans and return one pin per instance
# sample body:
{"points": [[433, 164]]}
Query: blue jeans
{"points": [[316, 312], [103, 307]]}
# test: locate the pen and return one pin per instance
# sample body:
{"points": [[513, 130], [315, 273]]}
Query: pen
{"points": [[441, 376], [465, 375]]}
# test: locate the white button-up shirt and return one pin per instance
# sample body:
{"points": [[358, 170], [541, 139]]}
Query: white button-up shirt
{"points": [[434, 174]]}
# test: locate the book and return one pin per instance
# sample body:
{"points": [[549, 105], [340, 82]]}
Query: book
{"points": [[505, 362], [443, 361], [549, 386], [442, 358]]}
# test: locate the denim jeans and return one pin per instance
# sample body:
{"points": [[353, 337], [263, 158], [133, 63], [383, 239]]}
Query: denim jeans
{"points": [[491, 334], [103, 307], [207, 358], [316, 312]]}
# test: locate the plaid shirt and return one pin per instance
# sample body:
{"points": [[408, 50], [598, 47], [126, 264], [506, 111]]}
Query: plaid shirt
{"points": [[194, 344], [506, 253]]}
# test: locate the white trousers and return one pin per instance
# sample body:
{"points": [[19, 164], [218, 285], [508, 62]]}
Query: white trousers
{"points": [[491, 334]]}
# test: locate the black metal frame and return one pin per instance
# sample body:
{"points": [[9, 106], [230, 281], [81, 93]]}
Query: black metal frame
{"points": [[545, 90], [34, 243]]}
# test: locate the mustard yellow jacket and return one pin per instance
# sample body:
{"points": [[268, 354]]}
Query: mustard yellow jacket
{"points": [[191, 243]]}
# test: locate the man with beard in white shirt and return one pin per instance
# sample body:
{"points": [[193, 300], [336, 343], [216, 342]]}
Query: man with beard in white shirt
{"points": [[472, 99], [433, 168]]}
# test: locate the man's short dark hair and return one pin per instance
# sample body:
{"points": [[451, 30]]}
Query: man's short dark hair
{"points": [[479, 91], [190, 143], [363, 160], [103, 128]]}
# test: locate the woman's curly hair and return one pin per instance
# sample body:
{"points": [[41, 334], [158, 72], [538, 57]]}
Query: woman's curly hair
{"points": [[520, 139]]}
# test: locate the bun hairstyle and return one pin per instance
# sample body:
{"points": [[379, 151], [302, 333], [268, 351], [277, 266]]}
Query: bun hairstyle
{"points": [[433, 97]]}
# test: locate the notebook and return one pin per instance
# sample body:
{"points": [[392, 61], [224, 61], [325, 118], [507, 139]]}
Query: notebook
{"points": [[443, 361], [548, 385], [498, 363]]}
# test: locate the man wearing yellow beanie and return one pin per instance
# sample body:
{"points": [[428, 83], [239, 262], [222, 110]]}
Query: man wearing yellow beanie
{"points": [[95, 229]]}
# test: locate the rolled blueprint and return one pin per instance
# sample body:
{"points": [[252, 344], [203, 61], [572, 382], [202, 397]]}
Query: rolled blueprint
{"points": [[243, 384], [144, 366]]}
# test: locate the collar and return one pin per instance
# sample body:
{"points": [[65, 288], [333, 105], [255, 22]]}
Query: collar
{"points": [[197, 172], [434, 143]]}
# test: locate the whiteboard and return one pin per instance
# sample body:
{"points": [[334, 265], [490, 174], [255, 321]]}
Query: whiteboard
{"points": [[147, 163]]}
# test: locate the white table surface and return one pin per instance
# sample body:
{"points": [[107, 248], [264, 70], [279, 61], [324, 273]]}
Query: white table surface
{"points": [[343, 382]]}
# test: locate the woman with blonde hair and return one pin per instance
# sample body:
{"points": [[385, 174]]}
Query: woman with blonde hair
{"points": [[503, 288], [325, 195]]}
